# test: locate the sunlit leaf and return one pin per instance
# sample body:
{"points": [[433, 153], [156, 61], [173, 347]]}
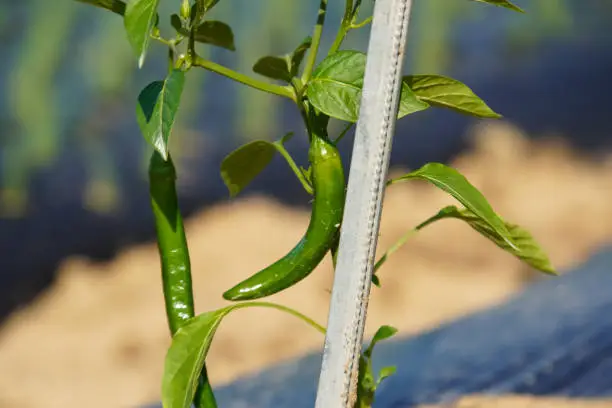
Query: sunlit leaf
{"points": [[139, 20], [383, 332], [186, 356], [336, 86], [448, 93], [384, 373], [450, 180], [527, 248], [157, 107]]}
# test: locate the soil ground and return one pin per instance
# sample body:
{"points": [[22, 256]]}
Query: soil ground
{"points": [[101, 330]]}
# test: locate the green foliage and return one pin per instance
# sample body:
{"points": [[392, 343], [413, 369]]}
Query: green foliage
{"points": [[336, 84], [139, 20], [242, 165], [190, 345], [207, 32], [274, 68], [502, 3], [116, 6], [448, 93], [368, 383], [526, 248], [454, 183], [330, 89], [158, 104]]}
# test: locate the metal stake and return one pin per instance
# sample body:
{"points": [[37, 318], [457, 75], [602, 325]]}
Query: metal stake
{"points": [[359, 233]]}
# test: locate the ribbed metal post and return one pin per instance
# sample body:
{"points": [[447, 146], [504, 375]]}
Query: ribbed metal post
{"points": [[358, 237]]}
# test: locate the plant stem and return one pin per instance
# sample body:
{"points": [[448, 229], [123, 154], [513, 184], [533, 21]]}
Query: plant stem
{"points": [[362, 24], [284, 91], [343, 133], [316, 42], [403, 240], [285, 309], [344, 28], [300, 175], [400, 242]]}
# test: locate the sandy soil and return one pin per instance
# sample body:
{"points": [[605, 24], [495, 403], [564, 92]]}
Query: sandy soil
{"points": [[101, 330]]}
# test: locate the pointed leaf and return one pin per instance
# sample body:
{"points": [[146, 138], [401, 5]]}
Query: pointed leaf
{"points": [[409, 102], [116, 6], [186, 356], [158, 104], [529, 251], [448, 93], [297, 56], [383, 332], [242, 165], [337, 82], [273, 67], [503, 3], [205, 5], [454, 183], [177, 24], [215, 33], [199, 10], [139, 20], [385, 372]]}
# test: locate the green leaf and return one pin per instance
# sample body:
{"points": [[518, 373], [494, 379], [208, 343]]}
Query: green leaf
{"points": [[450, 180], [177, 24], [409, 102], [215, 33], [242, 165], [186, 356], [336, 85], [297, 56], [383, 332], [116, 6], [366, 385], [139, 20], [503, 3], [190, 344], [205, 5], [528, 250], [157, 106], [385, 372], [199, 10], [273, 67], [448, 93], [376, 280]]}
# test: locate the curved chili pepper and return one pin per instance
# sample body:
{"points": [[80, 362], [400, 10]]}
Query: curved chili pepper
{"points": [[327, 210], [174, 255]]}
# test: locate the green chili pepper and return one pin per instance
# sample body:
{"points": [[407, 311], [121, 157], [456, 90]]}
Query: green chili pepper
{"points": [[327, 210], [174, 255], [172, 243]]}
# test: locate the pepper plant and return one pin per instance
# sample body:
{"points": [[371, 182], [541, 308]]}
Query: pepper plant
{"points": [[330, 89]]}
